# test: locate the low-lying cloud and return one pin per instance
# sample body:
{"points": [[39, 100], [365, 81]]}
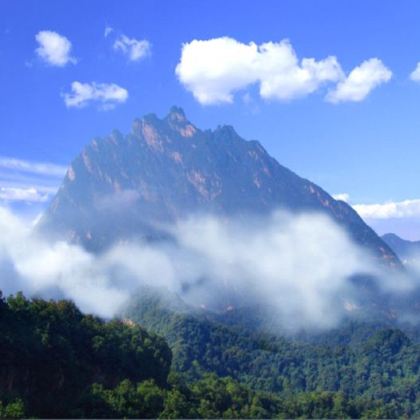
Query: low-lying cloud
{"points": [[399, 217], [300, 265], [391, 209]]}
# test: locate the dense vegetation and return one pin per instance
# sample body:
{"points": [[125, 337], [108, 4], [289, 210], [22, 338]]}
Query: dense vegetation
{"points": [[360, 362], [57, 362], [51, 354]]}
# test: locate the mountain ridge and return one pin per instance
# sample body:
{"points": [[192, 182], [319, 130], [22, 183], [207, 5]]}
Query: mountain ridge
{"points": [[405, 249]]}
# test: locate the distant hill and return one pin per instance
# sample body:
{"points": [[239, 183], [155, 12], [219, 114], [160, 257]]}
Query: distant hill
{"points": [[352, 359], [124, 186], [405, 249]]}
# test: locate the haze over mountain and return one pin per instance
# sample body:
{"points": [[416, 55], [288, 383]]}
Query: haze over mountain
{"points": [[128, 186]]}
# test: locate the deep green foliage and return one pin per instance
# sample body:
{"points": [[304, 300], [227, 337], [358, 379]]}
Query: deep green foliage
{"points": [[363, 363], [50, 354], [127, 399], [214, 397], [57, 362], [13, 410]]}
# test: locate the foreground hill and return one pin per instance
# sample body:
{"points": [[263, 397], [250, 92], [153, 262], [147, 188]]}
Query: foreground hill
{"points": [[58, 363], [124, 186], [51, 355]]}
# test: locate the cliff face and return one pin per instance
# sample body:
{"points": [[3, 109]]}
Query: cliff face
{"points": [[124, 186]]}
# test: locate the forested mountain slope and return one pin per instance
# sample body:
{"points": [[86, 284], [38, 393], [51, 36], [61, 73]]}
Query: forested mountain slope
{"points": [[57, 362]]}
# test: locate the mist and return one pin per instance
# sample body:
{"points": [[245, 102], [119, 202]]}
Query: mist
{"points": [[299, 266]]}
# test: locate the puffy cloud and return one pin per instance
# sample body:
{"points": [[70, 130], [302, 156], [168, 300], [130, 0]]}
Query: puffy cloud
{"points": [[284, 78], [415, 74], [213, 70], [107, 94], [360, 82], [54, 48], [399, 209], [134, 49]]}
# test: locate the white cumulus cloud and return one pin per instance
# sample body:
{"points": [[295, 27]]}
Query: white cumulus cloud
{"points": [[213, 70], [54, 48], [107, 94], [360, 82], [415, 74], [134, 49], [398, 209]]}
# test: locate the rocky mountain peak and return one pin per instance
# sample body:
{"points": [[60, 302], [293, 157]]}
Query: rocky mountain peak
{"points": [[167, 169], [177, 120], [177, 114], [154, 130]]}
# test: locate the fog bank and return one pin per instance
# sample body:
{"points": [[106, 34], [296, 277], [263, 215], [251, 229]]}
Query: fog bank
{"points": [[298, 264]]}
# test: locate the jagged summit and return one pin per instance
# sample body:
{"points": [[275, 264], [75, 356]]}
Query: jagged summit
{"points": [[151, 125], [166, 169], [176, 113]]}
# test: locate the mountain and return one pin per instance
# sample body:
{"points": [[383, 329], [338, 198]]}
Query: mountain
{"points": [[405, 249], [124, 186]]}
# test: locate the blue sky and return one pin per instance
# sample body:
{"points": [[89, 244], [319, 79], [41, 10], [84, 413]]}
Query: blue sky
{"points": [[365, 145]]}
